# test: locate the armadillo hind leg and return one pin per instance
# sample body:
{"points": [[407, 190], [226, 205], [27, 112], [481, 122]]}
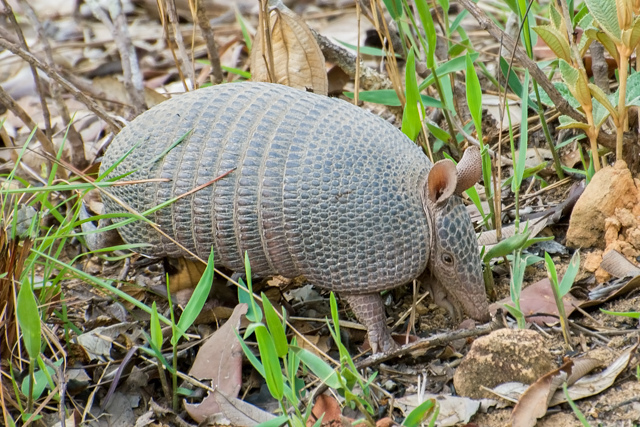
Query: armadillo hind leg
{"points": [[369, 309]]}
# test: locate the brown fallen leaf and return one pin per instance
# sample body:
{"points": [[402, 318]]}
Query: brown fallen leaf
{"points": [[328, 408], [219, 360], [287, 52], [538, 298], [534, 402]]}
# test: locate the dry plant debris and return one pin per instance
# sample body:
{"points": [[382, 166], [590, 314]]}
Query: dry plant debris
{"points": [[99, 64]]}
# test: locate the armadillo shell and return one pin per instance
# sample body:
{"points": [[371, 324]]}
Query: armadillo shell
{"points": [[319, 187]]}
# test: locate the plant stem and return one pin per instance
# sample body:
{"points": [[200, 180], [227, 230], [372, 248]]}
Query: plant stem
{"points": [[31, 379], [175, 377], [592, 133], [547, 134], [622, 90]]}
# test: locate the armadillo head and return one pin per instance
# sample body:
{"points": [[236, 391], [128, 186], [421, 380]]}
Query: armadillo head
{"points": [[454, 259]]}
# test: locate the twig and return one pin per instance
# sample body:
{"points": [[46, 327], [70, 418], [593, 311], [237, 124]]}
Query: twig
{"points": [[212, 46], [91, 105], [39, 84], [116, 23], [184, 65], [16, 109], [370, 79], [78, 157], [561, 104], [423, 344]]}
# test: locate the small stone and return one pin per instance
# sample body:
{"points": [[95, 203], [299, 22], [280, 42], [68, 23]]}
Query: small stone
{"points": [[610, 188], [633, 237], [592, 261], [626, 218], [612, 228], [503, 356], [601, 275]]}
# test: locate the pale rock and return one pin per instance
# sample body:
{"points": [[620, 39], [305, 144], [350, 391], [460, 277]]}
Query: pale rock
{"points": [[503, 356], [610, 188], [593, 260], [633, 237], [626, 218], [612, 228], [602, 275]]}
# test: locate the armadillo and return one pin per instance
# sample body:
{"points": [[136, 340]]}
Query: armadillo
{"points": [[314, 187]]}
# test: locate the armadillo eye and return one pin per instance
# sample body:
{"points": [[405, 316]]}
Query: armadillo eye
{"points": [[447, 259]]}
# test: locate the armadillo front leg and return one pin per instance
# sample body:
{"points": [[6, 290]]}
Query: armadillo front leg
{"points": [[369, 309]]}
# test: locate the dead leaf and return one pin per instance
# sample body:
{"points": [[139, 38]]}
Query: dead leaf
{"points": [[594, 384], [219, 360], [328, 408], [97, 343], [453, 409], [293, 53], [535, 401], [538, 298]]}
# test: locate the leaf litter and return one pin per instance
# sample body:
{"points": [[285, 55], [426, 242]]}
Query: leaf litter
{"points": [[106, 330]]}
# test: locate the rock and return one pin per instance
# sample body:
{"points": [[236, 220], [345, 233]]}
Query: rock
{"points": [[610, 188], [602, 275], [611, 230], [626, 218], [592, 261], [502, 356]]}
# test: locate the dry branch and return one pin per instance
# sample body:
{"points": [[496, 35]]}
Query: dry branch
{"points": [[51, 72]]}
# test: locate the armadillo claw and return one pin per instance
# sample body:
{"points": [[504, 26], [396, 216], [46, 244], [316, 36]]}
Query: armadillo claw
{"points": [[369, 310]]}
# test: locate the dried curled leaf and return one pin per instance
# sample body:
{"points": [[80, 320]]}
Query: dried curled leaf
{"points": [[291, 50]]}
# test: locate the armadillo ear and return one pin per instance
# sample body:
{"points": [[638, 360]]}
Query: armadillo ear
{"points": [[441, 182], [469, 169]]}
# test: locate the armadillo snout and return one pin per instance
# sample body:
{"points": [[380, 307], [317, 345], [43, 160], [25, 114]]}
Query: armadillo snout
{"points": [[455, 261]]}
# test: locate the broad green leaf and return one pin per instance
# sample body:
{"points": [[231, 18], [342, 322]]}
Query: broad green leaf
{"points": [[506, 246], [600, 114], [275, 422], [366, 50], [156, 331], [567, 122], [519, 166], [419, 413], [319, 367], [390, 97], [413, 109], [197, 300], [570, 274], [250, 356], [603, 99], [556, 18], [634, 36], [564, 91], [516, 86], [555, 40], [452, 66], [39, 380], [551, 270], [606, 41], [456, 22], [275, 327], [29, 320], [583, 18], [633, 90], [605, 13], [576, 82], [430, 31], [474, 96], [513, 311], [271, 363], [395, 8], [437, 131], [631, 314]]}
